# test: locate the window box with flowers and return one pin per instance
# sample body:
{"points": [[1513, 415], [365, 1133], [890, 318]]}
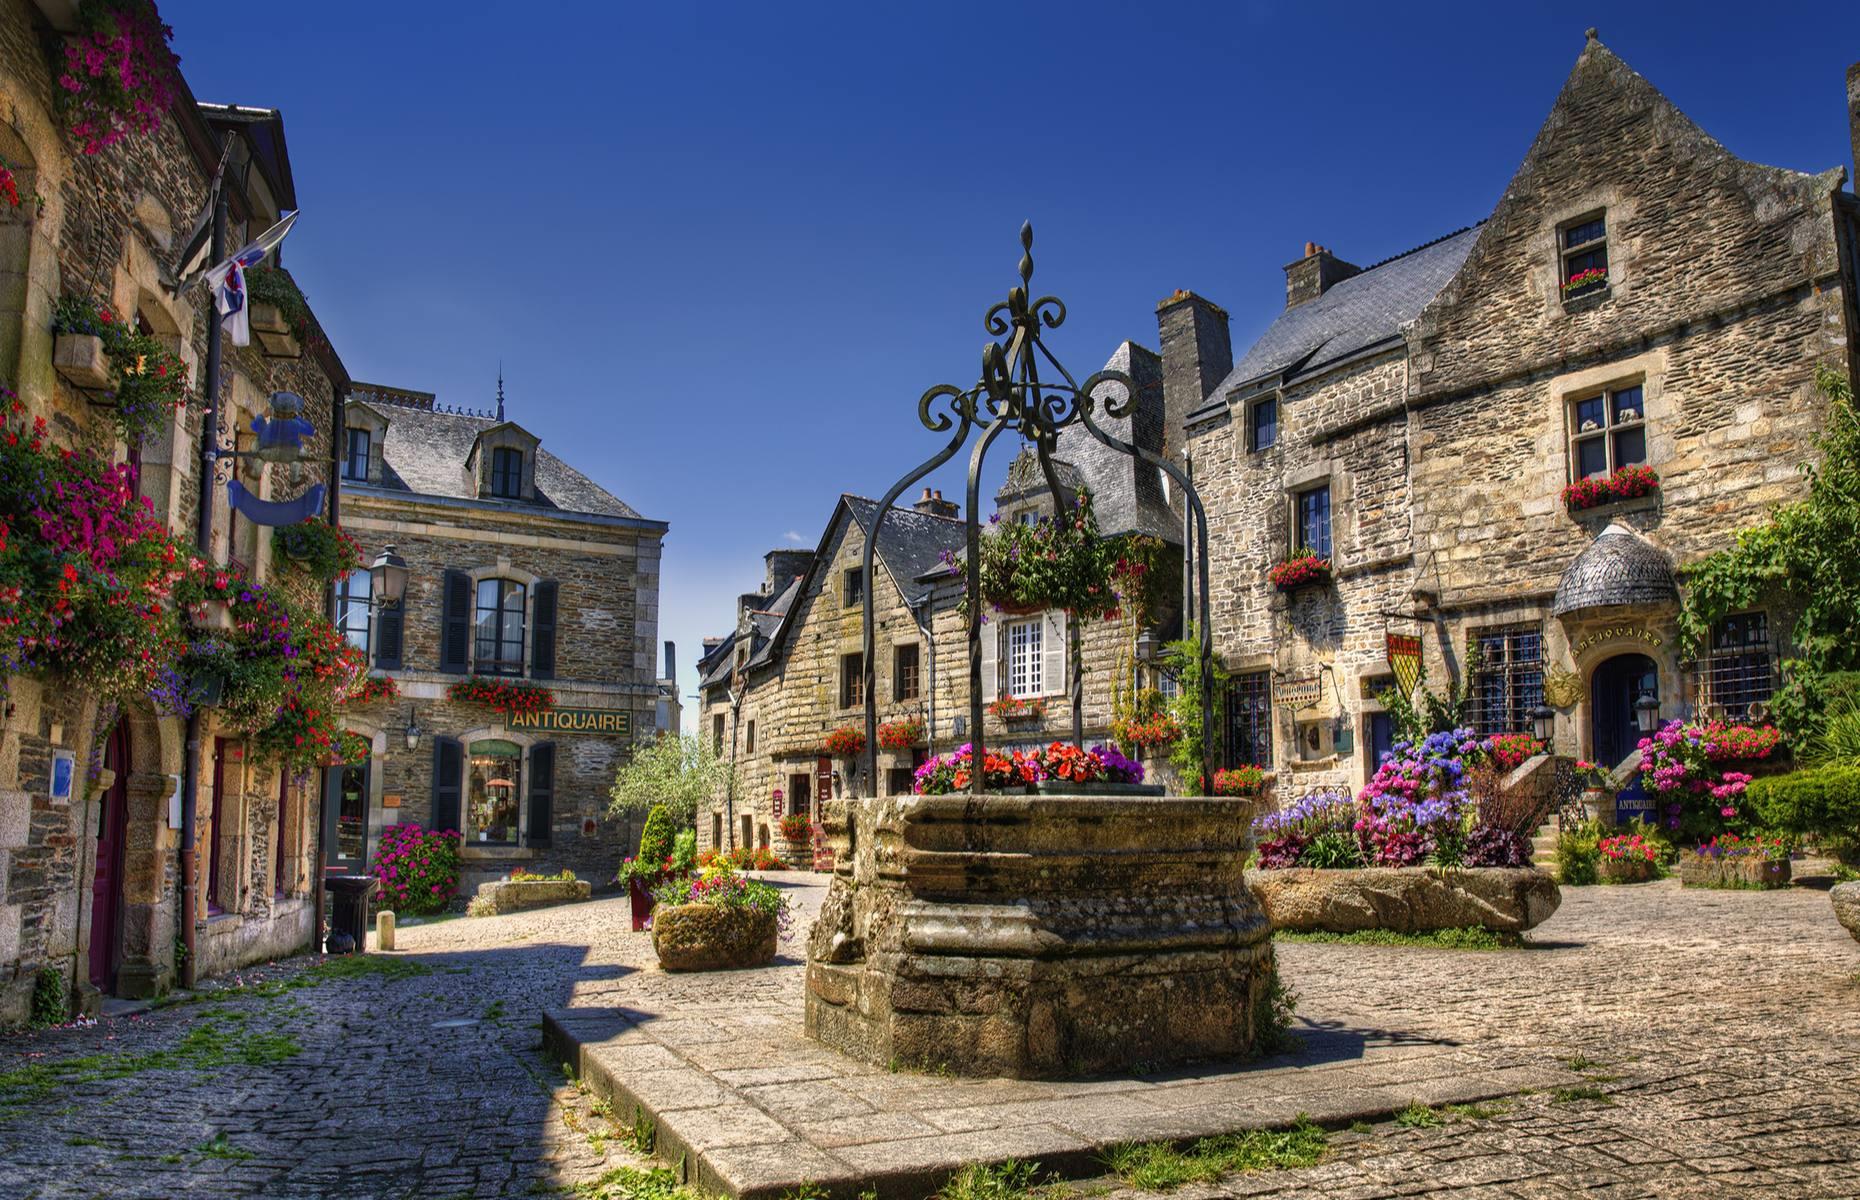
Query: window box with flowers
{"points": [[1625, 483], [145, 381], [281, 315], [901, 734], [376, 687], [1303, 569], [506, 696], [1016, 710], [844, 742]]}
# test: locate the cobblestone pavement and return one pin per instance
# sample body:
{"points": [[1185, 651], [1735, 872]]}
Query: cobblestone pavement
{"points": [[1718, 1028]]}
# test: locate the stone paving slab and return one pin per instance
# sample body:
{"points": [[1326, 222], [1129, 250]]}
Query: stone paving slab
{"points": [[804, 1115]]}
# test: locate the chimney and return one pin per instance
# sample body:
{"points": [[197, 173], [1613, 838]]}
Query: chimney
{"points": [[1197, 353], [1853, 115], [1314, 274], [782, 567], [932, 502], [671, 662]]}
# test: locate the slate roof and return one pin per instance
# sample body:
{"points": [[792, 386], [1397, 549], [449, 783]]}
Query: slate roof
{"points": [[1353, 315], [767, 621], [1618, 567], [425, 453], [910, 543]]}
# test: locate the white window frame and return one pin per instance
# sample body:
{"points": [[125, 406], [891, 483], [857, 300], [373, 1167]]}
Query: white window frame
{"points": [[1024, 658]]}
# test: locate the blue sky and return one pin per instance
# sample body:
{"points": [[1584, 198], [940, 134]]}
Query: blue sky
{"points": [[720, 250]]}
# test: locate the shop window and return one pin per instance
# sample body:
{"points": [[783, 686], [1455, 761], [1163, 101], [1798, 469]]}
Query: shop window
{"points": [[1249, 720], [1507, 679], [1607, 431], [500, 627], [1739, 670], [1263, 423], [906, 674], [1582, 249], [493, 788], [350, 814], [1312, 527]]}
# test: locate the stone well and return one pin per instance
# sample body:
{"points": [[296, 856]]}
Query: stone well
{"points": [[1038, 936]]}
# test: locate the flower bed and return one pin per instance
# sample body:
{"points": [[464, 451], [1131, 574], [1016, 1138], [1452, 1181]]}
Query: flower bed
{"points": [[323, 550], [1627, 483], [1300, 570], [119, 75], [1732, 860], [507, 696], [1246, 780], [717, 921], [418, 868], [844, 742], [1684, 765], [1013, 708], [901, 734], [149, 382]]}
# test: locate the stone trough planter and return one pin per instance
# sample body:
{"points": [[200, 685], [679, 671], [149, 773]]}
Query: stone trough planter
{"points": [[1846, 897], [710, 937], [1747, 871], [1405, 899], [515, 895], [1626, 870], [1038, 936]]}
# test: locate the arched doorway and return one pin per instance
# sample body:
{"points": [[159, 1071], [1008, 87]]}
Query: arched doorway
{"points": [[1614, 727], [106, 903]]}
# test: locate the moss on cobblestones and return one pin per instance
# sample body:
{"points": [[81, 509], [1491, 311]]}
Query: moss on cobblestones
{"points": [[212, 1043], [1439, 939]]}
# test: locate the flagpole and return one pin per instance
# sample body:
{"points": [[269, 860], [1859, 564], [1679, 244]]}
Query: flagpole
{"points": [[209, 459]]}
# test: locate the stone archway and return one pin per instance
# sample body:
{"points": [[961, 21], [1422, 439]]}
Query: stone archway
{"points": [[147, 918]]}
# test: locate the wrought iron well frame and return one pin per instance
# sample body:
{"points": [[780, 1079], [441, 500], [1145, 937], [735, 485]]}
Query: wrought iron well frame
{"points": [[1010, 395]]}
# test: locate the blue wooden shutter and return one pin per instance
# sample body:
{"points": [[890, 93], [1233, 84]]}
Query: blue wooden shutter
{"points": [[542, 793], [542, 632], [448, 778], [455, 625], [389, 625]]}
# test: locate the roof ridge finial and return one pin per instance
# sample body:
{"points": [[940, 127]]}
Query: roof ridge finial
{"points": [[500, 389], [1592, 33]]}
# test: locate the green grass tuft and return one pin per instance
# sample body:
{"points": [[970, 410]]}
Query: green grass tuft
{"points": [[1011, 1180], [1438, 939], [627, 1183], [220, 1146], [1573, 1094], [1159, 1166], [1418, 1116]]}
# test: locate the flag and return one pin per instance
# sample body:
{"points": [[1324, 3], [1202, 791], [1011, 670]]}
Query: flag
{"points": [[228, 280], [194, 260]]}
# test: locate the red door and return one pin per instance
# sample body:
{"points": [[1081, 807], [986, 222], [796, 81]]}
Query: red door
{"points": [[106, 898]]}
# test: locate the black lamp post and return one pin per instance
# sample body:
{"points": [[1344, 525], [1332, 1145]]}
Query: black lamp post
{"points": [[1647, 712], [387, 578], [1543, 723]]}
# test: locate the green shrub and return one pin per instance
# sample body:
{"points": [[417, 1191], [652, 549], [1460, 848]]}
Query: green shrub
{"points": [[1822, 800], [655, 841], [1578, 855], [51, 1004], [684, 850]]}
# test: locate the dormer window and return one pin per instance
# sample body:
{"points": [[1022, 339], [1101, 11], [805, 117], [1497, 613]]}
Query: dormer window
{"points": [[355, 461], [507, 472], [1582, 249]]}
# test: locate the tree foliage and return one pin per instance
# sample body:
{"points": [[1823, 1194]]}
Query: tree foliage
{"points": [[1808, 553], [1182, 661], [678, 771]]}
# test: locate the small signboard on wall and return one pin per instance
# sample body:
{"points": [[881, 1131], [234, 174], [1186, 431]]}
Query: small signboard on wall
{"points": [[64, 772], [390, 800]]}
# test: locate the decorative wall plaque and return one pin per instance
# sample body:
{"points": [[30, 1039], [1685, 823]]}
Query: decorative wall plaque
{"points": [[1563, 687]]}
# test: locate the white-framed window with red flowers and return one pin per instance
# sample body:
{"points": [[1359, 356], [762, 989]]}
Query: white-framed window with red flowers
{"points": [[1582, 253], [1607, 431]]}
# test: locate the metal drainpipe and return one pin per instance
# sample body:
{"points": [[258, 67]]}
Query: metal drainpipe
{"points": [[203, 541], [320, 863], [926, 621]]}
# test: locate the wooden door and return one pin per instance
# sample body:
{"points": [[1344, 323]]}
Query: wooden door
{"points": [[106, 900]]}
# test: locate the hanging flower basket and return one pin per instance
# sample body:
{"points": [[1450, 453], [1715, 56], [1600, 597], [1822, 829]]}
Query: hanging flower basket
{"points": [[1627, 483], [1052, 563], [323, 550], [376, 687], [844, 742], [1303, 569], [1153, 732], [901, 734], [507, 696], [119, 74]]}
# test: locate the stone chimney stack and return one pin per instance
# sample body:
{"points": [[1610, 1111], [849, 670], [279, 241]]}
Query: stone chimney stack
{"points": [[932, 502], [671, 660], [1853, 116], [1197, 353], [1314, 274], [782, 566]]}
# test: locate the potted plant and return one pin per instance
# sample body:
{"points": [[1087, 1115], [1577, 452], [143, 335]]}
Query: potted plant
{"points": [[650, 867], [1732, 860], [326, 552], [1247, 780], [900, 734], [1627, 858], [1598, 797], [96, 350], [1303, 569], [718, 921]]}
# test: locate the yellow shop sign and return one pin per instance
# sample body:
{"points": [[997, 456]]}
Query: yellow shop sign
{"points": [[616, 722], [1616, 633]]}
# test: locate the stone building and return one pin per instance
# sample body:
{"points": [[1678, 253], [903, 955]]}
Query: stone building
{"points": [[792, 670], [90, 877], [1639, 296], [520, 570]]}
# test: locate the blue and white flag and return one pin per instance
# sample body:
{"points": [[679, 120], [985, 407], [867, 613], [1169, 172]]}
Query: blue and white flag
{"points": [[228, 280]]}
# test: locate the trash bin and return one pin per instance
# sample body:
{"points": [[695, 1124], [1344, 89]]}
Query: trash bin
{"points": [[349, 923]]}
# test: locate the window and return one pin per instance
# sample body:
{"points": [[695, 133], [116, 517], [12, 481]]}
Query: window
{"points": [[1249, 720], [355, 463], [1024, 659], [1263, 423], [352, 611], [852, 680], [493, 784], [852, 587], [500, 627], [899, 781], [1607, 431], [1507, 683], [1313, 521], [906, 675], [1738, 670], [1582, 246], [716, 735], [749, 737], [507, 472]]}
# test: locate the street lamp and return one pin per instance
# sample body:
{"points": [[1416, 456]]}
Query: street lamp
{"points": [[413, 731], [1543, 723], [1647, 712], [387, 578], [1146, 646]]}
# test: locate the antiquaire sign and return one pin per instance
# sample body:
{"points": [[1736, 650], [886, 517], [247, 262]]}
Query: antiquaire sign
{"points": [[617, 722]]}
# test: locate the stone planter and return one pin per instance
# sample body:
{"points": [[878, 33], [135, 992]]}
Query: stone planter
{"points": [[514, 895], [1061, 787], [710, 937], [1626, 870], [268, 318], [1598, 804], [1037, 936], [1743, 871], [280, 345], [79, 357], [1405, 899], [1846, 898]]}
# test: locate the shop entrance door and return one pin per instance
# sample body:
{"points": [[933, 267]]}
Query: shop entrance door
{"points": [[1614, 730]]}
